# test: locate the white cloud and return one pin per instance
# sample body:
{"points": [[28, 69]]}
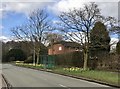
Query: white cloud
{"points": [[4, 39], [18, 7], [57, 0], [113, 42], [25, 7], [27, 0], [56, 21], [108, 7], [65, 5]]}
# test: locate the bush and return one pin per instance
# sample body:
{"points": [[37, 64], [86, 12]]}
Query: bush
{"points": [[70, 59], [109, 63], [16, 55]]}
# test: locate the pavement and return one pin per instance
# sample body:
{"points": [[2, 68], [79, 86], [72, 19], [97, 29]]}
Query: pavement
{"points": [[0, 81], [24, 77], [0, 75]]}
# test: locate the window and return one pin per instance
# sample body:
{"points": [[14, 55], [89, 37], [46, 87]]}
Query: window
{"points": [[60, 48]]}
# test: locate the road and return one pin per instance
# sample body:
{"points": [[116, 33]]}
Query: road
{"points": [[24, 77], [1, 80]]}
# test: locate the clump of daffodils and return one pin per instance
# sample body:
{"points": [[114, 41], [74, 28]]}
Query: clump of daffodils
{"points": [[39, 65], [19, 63], [29, 64], [72, 69]]}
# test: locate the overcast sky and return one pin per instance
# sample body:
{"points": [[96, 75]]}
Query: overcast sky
{"points": [[15, 12]]}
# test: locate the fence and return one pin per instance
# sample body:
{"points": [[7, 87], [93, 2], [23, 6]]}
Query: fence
{"points": [[67, 59], [106, 62], [47, 60]]}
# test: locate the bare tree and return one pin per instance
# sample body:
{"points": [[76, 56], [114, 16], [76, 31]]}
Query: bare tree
{"points": [[52, 38], [34, 30], [77, 23]]}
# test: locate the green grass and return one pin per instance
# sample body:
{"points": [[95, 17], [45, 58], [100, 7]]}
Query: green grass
{"points": [[105, 76]]}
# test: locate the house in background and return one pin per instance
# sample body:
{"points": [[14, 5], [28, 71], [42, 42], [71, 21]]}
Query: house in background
{"points": [[63, 47]]}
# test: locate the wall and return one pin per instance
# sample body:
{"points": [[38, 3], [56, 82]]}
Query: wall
{"points": [[55, 49]]}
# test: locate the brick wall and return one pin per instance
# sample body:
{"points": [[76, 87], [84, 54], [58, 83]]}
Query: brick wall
{"points": [[59, 49]]}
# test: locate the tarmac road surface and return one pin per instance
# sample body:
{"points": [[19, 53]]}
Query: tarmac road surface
{"points": [[24, 77]]}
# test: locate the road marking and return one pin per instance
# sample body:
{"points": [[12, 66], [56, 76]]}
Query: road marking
{"points": [[87, 81], [64, 86]]}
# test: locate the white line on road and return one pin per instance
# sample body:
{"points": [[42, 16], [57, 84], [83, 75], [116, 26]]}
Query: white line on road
{"points": [[64, 86], [87, 81]]}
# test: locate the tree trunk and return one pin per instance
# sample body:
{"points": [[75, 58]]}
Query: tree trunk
{"points": [[34, 57], [85, 59], [34, 53], [37, 58]]}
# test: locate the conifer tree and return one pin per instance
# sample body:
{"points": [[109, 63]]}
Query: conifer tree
{"points": [[99, 38]]}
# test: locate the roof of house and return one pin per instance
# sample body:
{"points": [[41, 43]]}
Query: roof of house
{"points": [[68, 44]]}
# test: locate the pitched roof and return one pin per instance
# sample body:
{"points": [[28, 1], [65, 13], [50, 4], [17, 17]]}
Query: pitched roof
{"points": [[69, 44]]}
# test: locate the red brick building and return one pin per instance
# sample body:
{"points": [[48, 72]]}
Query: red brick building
{"points": [[63, 47]]}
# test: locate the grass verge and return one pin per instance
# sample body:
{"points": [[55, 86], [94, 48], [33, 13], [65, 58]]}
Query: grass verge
{"points": [[103, 76]]}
